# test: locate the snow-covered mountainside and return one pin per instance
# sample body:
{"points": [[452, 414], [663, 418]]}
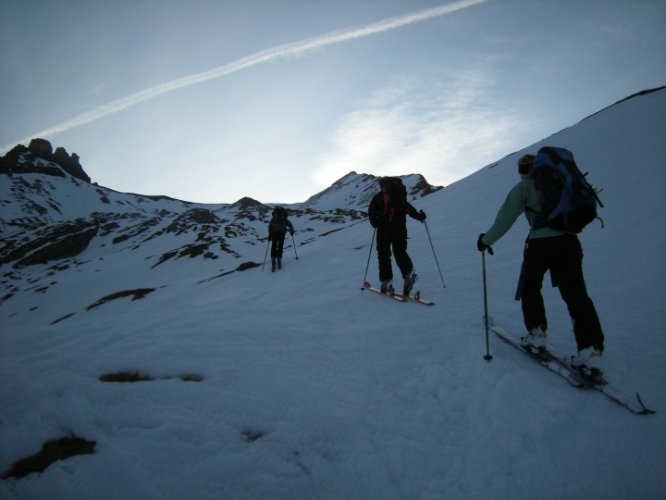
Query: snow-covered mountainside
{"points": [[298, 385], [54, 220]]}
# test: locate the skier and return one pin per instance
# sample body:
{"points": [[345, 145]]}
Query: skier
{"points": [[387, 212], [557, 251], [277, 230]]}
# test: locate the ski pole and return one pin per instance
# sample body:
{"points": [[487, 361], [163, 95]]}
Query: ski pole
{"points": [[372, 242], [266, 254], [487, 357], [294, 244], [433, 252]]}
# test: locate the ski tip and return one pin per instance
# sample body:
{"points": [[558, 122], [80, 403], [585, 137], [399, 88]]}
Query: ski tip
{"points": [[646, 410]]}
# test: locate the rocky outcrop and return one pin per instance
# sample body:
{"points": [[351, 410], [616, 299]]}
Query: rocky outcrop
{"points": [[41, 148], [60, 242], [70, 163], [23, 160]]}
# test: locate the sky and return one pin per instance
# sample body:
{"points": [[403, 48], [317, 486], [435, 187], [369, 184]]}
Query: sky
{"points": [[209, 101]]}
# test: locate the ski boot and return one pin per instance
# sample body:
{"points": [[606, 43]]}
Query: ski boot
{"points": [[410, 278]]}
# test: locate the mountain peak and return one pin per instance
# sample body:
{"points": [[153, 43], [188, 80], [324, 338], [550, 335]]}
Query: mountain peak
{"points": [[354, 191], [39, 157], [246, 202]]}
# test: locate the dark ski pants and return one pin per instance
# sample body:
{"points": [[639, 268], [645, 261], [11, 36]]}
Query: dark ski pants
{"points": [[392, 238], [277, 244], [563, 256]]}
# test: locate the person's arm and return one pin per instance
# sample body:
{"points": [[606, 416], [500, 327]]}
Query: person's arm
{"points": [[513, 206], [374, 212], [415, 214]]}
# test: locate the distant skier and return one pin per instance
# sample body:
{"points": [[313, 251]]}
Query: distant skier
{"points": [[387, 212], [554, 250], [277, 230]]}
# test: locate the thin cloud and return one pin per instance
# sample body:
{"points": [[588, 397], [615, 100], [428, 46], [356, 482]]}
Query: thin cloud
{"points": [[296, 49], [444, 129]]}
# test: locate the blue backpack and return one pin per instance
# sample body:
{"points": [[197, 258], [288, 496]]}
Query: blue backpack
{"points": [[569, 202]]}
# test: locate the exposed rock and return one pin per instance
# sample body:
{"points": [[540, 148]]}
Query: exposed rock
{"points": [[11, 158], [68, 246], [125, 377], [246, 202], [136, 376], [137, 294], [22, 160], [60, 242], [52, 451], [191, 217], [41, 148], [247, 265], [422, 188], [70, 164]]}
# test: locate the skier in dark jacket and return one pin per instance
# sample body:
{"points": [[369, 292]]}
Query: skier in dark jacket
{"points": [[554, 250], [277, 230], [387, 211]]}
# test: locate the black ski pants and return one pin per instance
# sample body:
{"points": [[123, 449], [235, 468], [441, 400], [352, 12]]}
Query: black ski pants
{"points": [[277, 244], [563, 256], [392, 237]]}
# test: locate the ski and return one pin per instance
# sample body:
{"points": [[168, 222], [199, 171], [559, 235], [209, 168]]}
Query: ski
{"points": [[541, 357], [416, 298], [604, 387], [394, 296], [561, 365]]}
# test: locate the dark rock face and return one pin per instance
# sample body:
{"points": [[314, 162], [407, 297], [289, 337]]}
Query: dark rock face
{"points": [[70, 164], [59, 242], [41, 148], [24, 160], [52, 451]]}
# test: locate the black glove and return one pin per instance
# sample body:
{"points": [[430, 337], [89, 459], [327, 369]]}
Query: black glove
{"points": [[422, 216], [482, 246]]}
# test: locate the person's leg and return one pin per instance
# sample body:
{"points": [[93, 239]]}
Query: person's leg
{"points": [[384, 255], [400, 252], [568, 276], [274, 246], [280, 245], [535, 265]]}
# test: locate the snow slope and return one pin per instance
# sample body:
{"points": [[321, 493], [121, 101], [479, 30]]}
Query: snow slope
{"points": [[310, 388]]}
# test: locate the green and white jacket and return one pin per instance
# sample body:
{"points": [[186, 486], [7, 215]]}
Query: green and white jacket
{"points": [[523, 198]]}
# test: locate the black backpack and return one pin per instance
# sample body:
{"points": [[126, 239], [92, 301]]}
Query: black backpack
{"points": [[279, 216], [569, 202], [397, 198]]}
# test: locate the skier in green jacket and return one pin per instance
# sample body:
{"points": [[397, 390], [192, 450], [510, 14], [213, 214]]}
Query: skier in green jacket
{"points": [[557, 251]]}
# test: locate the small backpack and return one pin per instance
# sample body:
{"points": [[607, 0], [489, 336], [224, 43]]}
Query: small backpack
{"points": [[569, 202]]}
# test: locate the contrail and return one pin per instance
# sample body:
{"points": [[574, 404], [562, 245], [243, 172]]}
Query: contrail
{"points": [[295, 49]]}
